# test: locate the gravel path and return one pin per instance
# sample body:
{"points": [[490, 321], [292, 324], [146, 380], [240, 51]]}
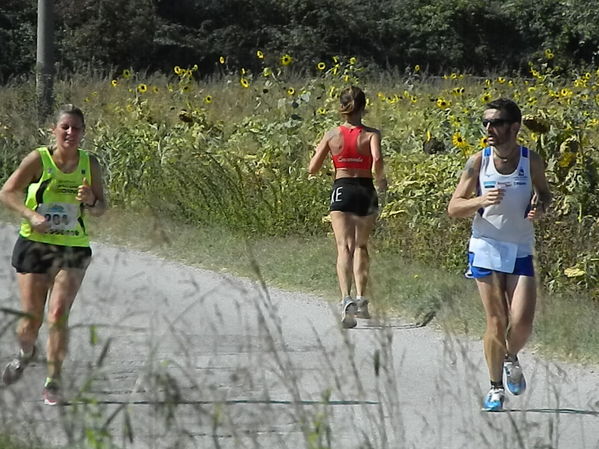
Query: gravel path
{"points": [[164, 355]]}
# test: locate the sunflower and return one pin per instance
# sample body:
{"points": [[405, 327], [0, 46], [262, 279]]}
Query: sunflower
{"points": [[549, 54], [565, 92], [353, 60], [208, 99], [458, 141], [483, 142], [155, 89], [321, 66], [266, 72], [126, 74], [485, 98], [178, 70], [286, 59], [142, 88], [442, 103], [114, 83], [417, 68], [221, 59], [291, 91], [244, 83], [259, 54]]}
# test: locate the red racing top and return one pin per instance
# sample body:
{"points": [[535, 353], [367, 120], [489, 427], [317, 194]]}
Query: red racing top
{"points": [[349, 156]]}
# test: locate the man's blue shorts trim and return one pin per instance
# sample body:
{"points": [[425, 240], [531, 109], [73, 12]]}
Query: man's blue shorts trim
{"points": [[523, 267]]}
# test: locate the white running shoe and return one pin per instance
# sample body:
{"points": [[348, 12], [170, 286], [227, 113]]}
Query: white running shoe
{"points": [[348, 313], [514, 377], [362, 309], [14, 369]]}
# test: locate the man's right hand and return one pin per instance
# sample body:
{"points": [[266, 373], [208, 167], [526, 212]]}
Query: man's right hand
{"points": [[493, 196]]}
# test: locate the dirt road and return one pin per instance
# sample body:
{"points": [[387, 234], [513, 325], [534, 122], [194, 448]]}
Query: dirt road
{"points": [[165, 355]]}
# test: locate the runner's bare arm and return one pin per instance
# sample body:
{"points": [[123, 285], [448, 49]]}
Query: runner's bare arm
{"points": [[322, 149], [463, 203], [12, 194], [377, 161], [542, 195], [97, 187]]}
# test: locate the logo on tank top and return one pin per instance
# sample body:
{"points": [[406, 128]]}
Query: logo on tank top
{"points": [[489, 184]]}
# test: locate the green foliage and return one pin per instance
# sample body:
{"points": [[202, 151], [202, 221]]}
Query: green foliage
{"points": [[17, 37], [233, 153], [480, 37]]}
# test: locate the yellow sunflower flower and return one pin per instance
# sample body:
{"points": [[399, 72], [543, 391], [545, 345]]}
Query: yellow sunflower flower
{"points": [[483, 142], [291, 91], [458, 141], [178, 70], [114, 83], [259, 54], [417, 68], [286, 59], [221, 59], [208, 99], [142, 88], [574, 272], [549, 54], [126, 74], [321, 66], [442, 103], [266, 72], [244, 83], [353, 60]]}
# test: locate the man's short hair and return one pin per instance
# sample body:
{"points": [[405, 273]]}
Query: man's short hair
{"points": [[509, 109]]}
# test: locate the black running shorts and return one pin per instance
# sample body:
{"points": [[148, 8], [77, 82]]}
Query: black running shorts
{"points": [[355, 195], [36, 257]]}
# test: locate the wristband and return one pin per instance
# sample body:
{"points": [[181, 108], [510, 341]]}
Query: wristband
{"points": [[89, 206]]}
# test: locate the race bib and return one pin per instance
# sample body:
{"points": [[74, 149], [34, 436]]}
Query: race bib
{"points": [[61, 216], [493, 254]]}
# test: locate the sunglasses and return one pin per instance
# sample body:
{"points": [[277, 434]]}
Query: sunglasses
{"points": [[495, 122]]}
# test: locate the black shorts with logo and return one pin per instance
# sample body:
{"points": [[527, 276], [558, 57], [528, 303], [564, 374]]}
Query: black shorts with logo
{"points": [[36, 257], [354, 195]]}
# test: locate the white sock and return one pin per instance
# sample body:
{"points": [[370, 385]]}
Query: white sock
{"points": [[26, 355]]}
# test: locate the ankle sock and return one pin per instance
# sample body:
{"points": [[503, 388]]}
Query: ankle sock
{"points": [[51, 380], [26, 355], [497, 384]]}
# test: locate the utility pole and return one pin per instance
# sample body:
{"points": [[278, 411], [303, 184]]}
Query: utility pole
{"points": [[44, 68]]}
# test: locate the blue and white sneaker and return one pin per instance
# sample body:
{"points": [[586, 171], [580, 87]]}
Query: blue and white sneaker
{"points": [[514, 377], [348, 312], [494, 399]]}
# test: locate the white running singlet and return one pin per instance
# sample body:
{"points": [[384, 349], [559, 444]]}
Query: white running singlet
{"points": [[503, 228]]}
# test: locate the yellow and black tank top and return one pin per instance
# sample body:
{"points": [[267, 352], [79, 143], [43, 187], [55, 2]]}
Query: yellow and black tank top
{"points": [[54, 196]]}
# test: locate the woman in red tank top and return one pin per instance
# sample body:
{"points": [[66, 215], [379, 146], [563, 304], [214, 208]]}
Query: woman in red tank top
{"points": [[356, 154]]}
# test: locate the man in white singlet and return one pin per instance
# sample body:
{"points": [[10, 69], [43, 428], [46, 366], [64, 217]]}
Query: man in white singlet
{"points": [[504, 187]]}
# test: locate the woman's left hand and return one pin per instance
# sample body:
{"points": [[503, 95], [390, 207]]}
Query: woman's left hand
{"points": [[85, 194]]}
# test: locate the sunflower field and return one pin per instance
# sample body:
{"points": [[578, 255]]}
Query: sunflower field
{"points": [[230, 148]]}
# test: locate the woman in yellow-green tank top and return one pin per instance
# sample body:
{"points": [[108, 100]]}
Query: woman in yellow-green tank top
{"points": [[63, 184], [54, 196]]}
